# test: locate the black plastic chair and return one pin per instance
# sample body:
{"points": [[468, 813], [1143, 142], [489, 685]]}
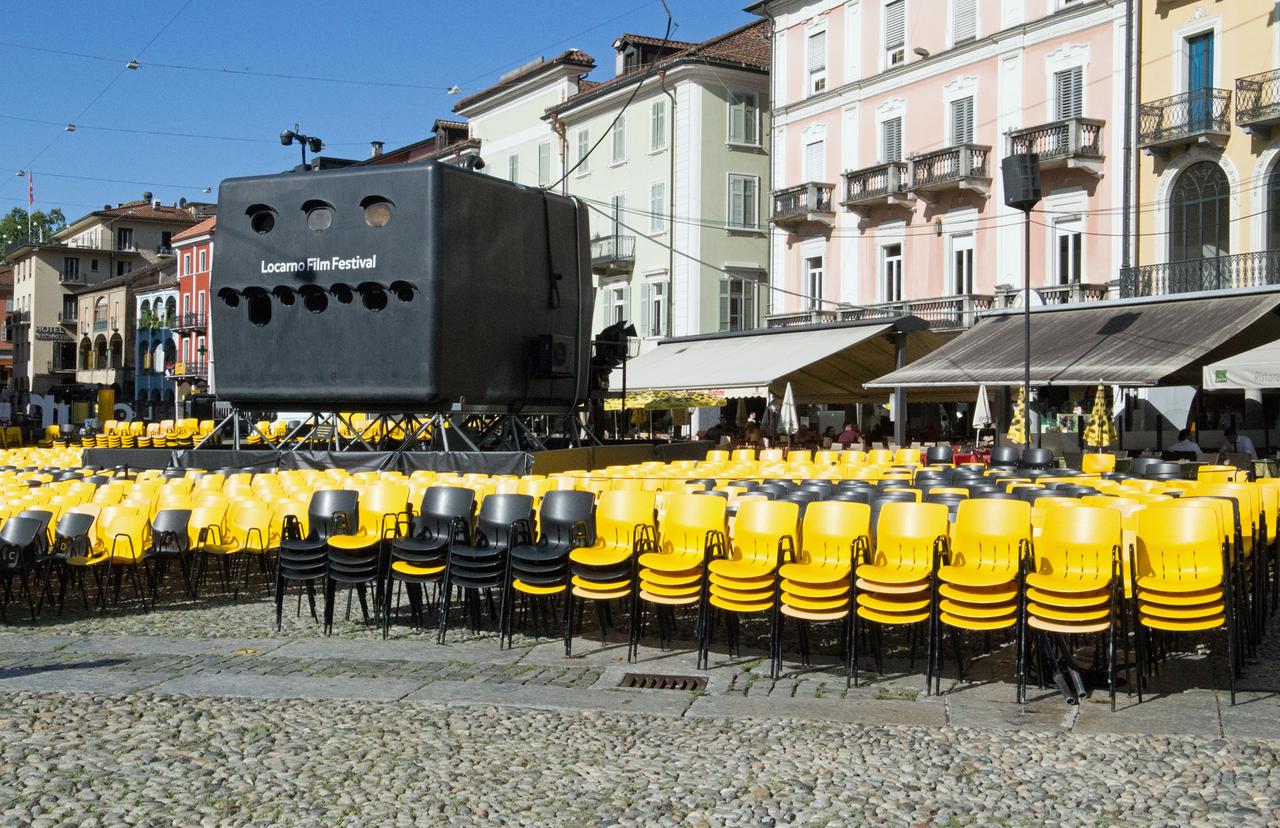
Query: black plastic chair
{"points": [[566, 522], [1036, 458], [1162, 471], [938, 454], [1138, 465], [170, 540], [1031, 495], [20, 557], [1005, 456], [304, 560], [419, 558], [71, 541], [505, 520], [850, 495], [949, 499]]}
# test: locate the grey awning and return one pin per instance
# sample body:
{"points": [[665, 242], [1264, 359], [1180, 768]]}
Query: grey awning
{"points": [[823, 363], [1131, 343]]}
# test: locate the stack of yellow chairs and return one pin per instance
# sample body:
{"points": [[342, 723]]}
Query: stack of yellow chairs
{"points": [[979, 585], [745, 579], [894, 583], [606, 570], [1074, 584], [818, 586], [691, 531], [1182, 579]]}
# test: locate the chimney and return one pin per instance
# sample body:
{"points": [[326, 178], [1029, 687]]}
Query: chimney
{"points": [[155, 205], [146, 196], [375, 149]]}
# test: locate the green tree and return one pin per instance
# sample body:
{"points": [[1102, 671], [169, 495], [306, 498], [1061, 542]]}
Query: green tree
{"points": [[13, 226]]}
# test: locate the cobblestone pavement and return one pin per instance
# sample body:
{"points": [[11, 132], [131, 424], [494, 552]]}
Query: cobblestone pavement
{"points": [[205, 714]]}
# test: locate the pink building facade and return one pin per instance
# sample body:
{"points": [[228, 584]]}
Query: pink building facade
{"points": [[890, 121]]}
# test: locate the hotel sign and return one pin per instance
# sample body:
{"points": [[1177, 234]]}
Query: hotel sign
{"points": [[52, 333]]}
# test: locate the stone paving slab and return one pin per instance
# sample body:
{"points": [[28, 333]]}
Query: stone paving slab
{"points": [[26, 643], [290, 687], [653, 702], [412, 650], [93, 676], [1193, 712], [162, 645], [824, 710]]}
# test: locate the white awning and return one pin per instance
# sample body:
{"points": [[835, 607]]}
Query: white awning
{"points": [[828, 364], [1258, 368]]}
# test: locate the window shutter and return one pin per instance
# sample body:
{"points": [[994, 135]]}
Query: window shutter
{"points": [[749, 202], [658, 139], [964, 24], [657, 205], [895, 24], [544, 165], [962, 121], [893, 139], [1068, 93], [750, 118], [644, 308], [620, 139], [813, 161], [817, 51], [737, 201]]}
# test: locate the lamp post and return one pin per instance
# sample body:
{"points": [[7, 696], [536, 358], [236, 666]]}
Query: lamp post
{"points": [[289, 136], [1021, 174]]}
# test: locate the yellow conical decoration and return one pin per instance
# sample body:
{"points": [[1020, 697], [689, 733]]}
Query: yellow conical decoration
{"points": [[1018, 427], [1100, 432]]}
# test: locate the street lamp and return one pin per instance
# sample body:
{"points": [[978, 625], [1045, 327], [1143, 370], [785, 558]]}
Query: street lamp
{"points": [[1021, 174], [289, 136]]}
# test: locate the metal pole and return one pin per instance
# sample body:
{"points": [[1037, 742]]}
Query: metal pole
{"points": [[625, 352], [900, 392], [1026, 328]]}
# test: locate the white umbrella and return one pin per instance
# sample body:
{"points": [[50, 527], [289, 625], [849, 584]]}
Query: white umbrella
{"points": [[982, 410], [788, 422]]}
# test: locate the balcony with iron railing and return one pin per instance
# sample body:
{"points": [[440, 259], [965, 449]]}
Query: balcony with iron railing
{"points": [[57, 366], [962, 167], [72, 277], [68, 317], [1201, 116], [613, 254], [1075, 143], [942, 313], [1258, 102], [196, 321], [198, 369], [808, 207], [875, 186], [1242, 270], [99, 325]]}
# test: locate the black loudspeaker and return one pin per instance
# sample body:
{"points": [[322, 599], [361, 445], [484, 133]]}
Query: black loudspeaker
{"points": [[409, 287], [1021, 175]]}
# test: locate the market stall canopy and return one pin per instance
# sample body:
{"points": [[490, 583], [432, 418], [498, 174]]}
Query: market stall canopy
{"points": [[823, 363], [663, 400], [1259, 368], [1136, 342]]}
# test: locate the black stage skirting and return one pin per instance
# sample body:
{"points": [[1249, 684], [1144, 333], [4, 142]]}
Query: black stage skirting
{"points": [[488, 462]]}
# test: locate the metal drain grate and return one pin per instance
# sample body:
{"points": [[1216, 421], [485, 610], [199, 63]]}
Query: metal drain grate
{"points": [[658, 681]]}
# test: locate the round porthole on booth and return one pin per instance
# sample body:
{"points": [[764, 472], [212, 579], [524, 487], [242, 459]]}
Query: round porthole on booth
{"points": [[342, 293], [262, 218], [377, 211], [314, 298], [373, 296], [259, 303], [230, 297], [402, 290], [285, 295], [319, 214]]}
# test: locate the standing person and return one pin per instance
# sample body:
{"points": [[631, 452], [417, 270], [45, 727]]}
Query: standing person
{"points": [[1236, 443]]}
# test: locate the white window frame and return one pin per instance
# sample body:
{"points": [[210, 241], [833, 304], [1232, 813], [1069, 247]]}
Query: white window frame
{"points": [[202, 261], [754, 224], [810, 173], [657, 206], [617, 215], [882, 267], [961, 284], [1067, 56], [815, 78], [658, 125], [654, 325], [618, 140], [1068, 227], [750, 119], [617, 297], [814, 277], [748, 289], [544, 164], [887, 111], [186, 264], [583, 152], [886, 53], [957, 139]]}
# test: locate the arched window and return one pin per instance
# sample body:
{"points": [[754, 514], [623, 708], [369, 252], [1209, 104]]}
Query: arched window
{"points": [[1273, 209], [1200, 224], [117, 351], [170, 311], [100, 314], [86, 354], [100, 351]]}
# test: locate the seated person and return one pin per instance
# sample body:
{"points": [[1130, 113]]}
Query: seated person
{"points": [[1236, 443], [1186, 444]]}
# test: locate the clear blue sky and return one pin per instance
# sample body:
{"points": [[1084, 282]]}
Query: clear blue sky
{"points": [[430, 44]]}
